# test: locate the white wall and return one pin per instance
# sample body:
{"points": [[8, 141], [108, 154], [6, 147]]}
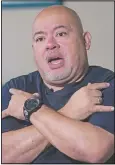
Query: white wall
{"points": [[98, 19], [17, 52], [17, 59]]}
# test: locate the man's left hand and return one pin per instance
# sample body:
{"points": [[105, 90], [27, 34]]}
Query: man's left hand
{"points": [[16, 104]]}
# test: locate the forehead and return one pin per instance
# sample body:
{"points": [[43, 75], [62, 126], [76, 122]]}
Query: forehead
{"points": [[50, 21]]}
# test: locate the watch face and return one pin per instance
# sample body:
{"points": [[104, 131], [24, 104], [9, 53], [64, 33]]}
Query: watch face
{"points": [[32, 104]]}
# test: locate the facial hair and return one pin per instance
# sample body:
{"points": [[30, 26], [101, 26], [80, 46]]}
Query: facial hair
{"points": [[58, 76]]}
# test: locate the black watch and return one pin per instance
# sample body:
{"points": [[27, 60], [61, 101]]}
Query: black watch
{"points": [[31, 105]]}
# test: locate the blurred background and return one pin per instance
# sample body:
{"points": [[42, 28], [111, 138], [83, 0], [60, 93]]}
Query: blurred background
{"points": [[17, 56]]}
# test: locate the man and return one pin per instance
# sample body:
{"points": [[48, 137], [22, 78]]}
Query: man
{"points": [[64, 112]]}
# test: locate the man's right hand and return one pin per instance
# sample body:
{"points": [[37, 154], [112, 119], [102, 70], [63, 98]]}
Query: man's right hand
{"points": [[85, 101]]}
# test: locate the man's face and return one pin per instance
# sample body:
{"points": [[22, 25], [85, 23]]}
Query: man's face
{"points": [[58, 47]]}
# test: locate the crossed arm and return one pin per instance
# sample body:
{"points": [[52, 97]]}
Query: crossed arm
{"points": [[23, 145], [72, 137]]}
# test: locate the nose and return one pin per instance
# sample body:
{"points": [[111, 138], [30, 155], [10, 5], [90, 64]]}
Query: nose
{"points": [[52, 44]]}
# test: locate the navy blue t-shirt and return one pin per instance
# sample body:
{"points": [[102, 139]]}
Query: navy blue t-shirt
{"points": [[32, 83]]}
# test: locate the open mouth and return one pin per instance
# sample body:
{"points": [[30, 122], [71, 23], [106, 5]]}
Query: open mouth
{"points": [[55, 62]]}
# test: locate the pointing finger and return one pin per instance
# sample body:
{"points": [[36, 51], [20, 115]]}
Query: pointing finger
{"points": [[98, 85], [102, 108], [18, 92]]}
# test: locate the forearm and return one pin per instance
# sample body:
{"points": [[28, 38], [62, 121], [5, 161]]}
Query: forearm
{"points": [[22, 146], [31, 154], [74, 138]]}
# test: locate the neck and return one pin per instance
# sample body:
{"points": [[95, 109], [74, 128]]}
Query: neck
{"points": [[57, 87]]}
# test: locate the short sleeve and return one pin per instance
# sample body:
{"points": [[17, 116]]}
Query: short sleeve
{"points": [[105, 120]]}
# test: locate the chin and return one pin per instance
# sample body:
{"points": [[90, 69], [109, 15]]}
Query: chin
{"points": [[58, 80], [59, 74]]}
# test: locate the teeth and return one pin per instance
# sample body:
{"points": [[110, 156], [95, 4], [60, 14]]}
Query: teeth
{"points": [[55, 62], [54, 59]]}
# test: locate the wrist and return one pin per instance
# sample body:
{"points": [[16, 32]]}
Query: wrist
{"points": [[66, 111], [31, 105], [36, 115]]}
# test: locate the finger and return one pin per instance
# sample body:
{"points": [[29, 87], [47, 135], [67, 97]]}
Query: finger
{"points": [[98, 85], [96, 93], [5, 113], [99, 100], [102, 108], [18, 92]]}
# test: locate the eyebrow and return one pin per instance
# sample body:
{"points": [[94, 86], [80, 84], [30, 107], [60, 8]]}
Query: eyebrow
{"points": [[38, 32], [55, 28]]}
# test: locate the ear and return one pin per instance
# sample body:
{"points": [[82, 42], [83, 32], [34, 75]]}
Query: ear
{"points": [[87, 39]]}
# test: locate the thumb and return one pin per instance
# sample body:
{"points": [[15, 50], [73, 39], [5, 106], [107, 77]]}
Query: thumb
{"points": [[5, 113]]}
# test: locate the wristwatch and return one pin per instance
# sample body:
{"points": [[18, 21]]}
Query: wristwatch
{"points": [[31, 105]]}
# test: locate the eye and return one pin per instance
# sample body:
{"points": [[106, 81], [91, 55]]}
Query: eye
{"points": [[40, 39], [61, 34]]}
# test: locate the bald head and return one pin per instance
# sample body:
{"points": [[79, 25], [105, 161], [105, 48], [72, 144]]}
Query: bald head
{"points": [[61, 11], [58, 34]]}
